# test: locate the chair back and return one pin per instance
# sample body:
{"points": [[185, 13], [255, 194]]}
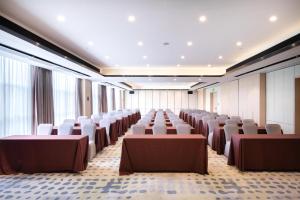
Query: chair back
{"points": [[138, 129], [177, 122], [105, 122], [96, 118], [231, 121], [69, 121], [90, 130], [222, 119], [273, 129], [85, 121], [229, 130], [159, 129], [183, 129], [248, 121], [81, 118], [250, 128], [236, 118], [44, 129], [212, 124], [65, 129]]}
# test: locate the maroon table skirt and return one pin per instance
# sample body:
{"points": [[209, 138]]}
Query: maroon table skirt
{"points": [[219, 140], [265, 152], [100, 136], [167, 124], [170, 130], [43, 154], [119, 127], [125, 124], [163, 153], [198, 126], [113, 133], [181, 115]]}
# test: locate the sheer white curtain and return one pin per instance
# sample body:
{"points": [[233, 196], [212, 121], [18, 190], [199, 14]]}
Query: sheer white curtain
{"points": [[64, 96], [95, 97], [118, 102], [15, 97]]}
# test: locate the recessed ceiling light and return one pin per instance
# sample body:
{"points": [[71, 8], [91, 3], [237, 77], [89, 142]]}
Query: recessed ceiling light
{"points": [[107, 57], [273, 18], [148, 65], [199, 79], [117, 65], [239, 43], [220, 57], [90, 43], [140, 43], [60, 18], [149, 79], [182, 57], [174, 79], [202, 18], [178, 65], [145, 57], [209, 65], [189, 43], [125, 79], [37, 44], [131, 18]]}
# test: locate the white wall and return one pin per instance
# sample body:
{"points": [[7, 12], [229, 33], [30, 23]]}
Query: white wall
{"points": [[172, 99], [280, 97]]}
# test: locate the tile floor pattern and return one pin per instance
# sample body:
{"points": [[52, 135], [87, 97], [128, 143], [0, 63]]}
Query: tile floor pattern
{"points": [[101, 181]]}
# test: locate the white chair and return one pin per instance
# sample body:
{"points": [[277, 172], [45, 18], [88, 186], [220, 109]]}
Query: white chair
{"points": [[90, 130], [229, 130], [105, 122], [250, 128], [273, 129], [183, 129], [85, 121], [223, 115], [69, 121], [96, 118], [222, 119], [159, 129], [248, 121], [231, 122], [212, 124], [65, 129], [44, 129], [138, 129], [236, 118], [80, 118], [177, 122]]}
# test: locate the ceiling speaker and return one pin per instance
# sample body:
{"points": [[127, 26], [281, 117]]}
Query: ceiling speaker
{"points": [[190, 92], [131, 92]]}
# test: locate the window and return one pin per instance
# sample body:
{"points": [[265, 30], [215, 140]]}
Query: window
{"points": [[64, 96], [15, 97]]}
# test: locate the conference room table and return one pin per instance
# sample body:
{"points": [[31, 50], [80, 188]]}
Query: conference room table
{"points": [[100, 136], [271, 152], [163, 153], [43, 154], [219, 139], [170, 130]]}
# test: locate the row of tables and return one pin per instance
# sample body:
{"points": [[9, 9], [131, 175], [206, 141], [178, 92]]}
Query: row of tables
{"points": [[254, 152], [56, 153], [164, 153]]}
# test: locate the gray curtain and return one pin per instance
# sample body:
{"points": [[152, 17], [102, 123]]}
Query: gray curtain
{"points": [[99, 99], [113, 98], [42, 104], [78, 100], [103, 99]]}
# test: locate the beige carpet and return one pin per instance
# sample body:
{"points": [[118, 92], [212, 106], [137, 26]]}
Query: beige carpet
{"points": [[101, 181]]}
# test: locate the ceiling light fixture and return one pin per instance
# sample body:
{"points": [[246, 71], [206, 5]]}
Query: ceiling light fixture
{"points": [[273, 18], [145, 57], [178, 65], [239, 43], [60, 18], [149, 79], [189, 43], [148, 65], [140, 43], [199, 79], [220, 57], [209, 65], [117, 65], [174, 79], [182, 57], [107, 57], [90, 43], [131, 18], [202, 18]]}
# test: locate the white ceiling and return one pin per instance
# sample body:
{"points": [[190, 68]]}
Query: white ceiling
{"points": [[105, 24]]}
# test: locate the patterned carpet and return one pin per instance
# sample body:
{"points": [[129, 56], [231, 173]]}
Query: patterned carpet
{"points": [[101, 181]]}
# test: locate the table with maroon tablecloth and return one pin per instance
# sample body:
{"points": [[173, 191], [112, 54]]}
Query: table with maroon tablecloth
{"points": [[219, 140], [125, 124], [181, 114], [185, 117], [271, 152], [113, 133], [43, 154], [119, 127], [198, 126], [163, 153], [100, 136], [170, 130]]}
